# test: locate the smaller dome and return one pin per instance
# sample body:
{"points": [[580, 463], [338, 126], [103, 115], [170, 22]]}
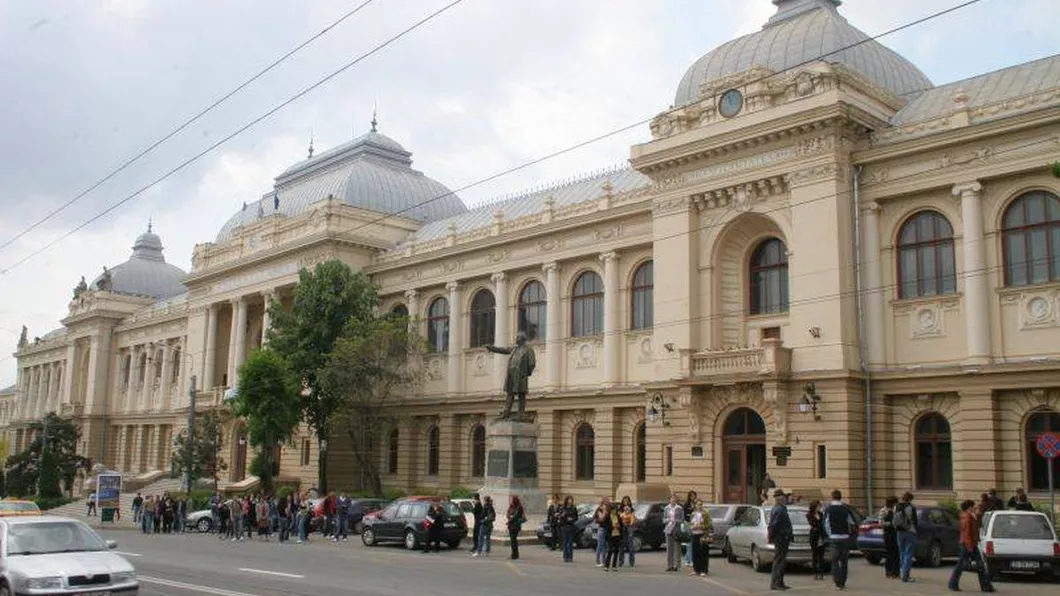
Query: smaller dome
{"points": [[146, 273]]}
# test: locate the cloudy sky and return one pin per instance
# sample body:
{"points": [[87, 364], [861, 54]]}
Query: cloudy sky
{"points": [[488, 85]]}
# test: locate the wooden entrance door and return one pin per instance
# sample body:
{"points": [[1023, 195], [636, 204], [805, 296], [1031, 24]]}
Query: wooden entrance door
{"points": [[744, 448], [735, 473]]}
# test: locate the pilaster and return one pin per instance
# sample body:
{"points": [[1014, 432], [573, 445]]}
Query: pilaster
{"points": [[612, 319], [976, 448], [165, 385], [97, 384], [976, 286], [449, 464], [675, 224], [456, 335], [553, 326], [549, 453], [875, 317], [607, 451], [408, 453], [502, 333], [67, 395], [210, 359]]}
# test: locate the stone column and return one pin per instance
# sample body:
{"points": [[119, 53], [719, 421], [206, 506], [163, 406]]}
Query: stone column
{"points": [[450, 437], [612, 319], [976, 281], [182, 374], [976, 447], [412, 297], [152, 449], [875, 316], [37, 407], [67, 394], [165, 385], [238, 342], [267, 296], [137, 447], [502, 334], [608, 453], [148, 385], [408, 452], [456, 334], [553, 325], [210, 358]]}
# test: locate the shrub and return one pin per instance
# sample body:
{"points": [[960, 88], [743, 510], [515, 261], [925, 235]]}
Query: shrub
{"points": [[285, 491], [391, 494], [46, 503], [952, 506], [460, 492]]}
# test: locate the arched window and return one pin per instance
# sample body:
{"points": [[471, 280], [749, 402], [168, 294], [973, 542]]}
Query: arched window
{"points": [[175, 365], [399, 311], [434, 448], [143, 369], [393, 450], [642, 296], [126, 369], [584, 452], [640, 452], [587, 306], [483, 318], [478, 451], [533, 307], [1031, 231], [769, 278], [934, 453], [438, 325], [744, 422], [159, 362], [926, 262], [1037, 466]]}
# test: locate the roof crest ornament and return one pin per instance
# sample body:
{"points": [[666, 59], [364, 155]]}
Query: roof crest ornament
{"points": [[149, 222], [310, 144], [789, 9], [375, 120]]}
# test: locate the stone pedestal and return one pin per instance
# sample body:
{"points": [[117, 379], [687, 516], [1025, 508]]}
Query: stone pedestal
{"points": [[511, 469]]}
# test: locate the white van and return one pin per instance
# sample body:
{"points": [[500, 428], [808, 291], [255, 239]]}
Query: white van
{"points": [[1019, 542]]}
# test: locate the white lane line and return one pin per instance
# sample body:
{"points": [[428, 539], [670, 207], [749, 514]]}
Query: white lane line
{"points": [[264, 572], [192, 587], [125, 554]]}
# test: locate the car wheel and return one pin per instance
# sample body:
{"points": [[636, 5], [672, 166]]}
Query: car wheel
{"points": [[638, 544], [368, 537], [873, 558], [411, 542], [204, 525], [727, 551], [934, 557], [756, 560]]}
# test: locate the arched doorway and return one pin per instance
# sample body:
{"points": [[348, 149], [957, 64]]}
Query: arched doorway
{"points": [[744, 446]]}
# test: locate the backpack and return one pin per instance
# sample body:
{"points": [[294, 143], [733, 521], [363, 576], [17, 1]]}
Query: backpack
{"points": [[901, 522]]}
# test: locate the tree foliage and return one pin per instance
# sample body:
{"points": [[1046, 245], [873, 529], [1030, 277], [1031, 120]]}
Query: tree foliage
{"points": [[267, 398], [326, 301], [372, 367], [200, 454], [42, 469]]}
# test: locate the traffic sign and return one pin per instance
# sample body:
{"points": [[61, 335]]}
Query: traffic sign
{"points": [[1049, 445]]}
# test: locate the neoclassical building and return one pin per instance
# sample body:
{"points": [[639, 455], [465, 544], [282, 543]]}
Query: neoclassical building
{"points": [[819, 265]]}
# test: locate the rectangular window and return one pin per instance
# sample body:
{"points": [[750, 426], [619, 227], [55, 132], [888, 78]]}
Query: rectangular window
{"points": [[305, 452], [668, 460], [697, 451], [822, 462]]}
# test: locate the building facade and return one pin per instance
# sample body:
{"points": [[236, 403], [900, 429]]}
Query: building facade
{"points": [[826, 269]]}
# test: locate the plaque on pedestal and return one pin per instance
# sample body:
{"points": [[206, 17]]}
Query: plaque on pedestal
{"points": [[511, 468]]}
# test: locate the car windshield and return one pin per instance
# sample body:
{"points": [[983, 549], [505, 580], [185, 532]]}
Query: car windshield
{"points": [[641, 510], [798, 517], [717, 513], [52, 537], [1025, 527], [451, 509]]}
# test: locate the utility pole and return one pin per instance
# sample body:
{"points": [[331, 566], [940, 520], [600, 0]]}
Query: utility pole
{"points": [[191, 437]]}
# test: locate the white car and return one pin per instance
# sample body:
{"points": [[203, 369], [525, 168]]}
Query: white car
{"points": [[57, 555], [467, 506], [1019, 542]]}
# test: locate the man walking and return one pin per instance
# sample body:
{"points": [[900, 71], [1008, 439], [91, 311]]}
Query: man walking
{"points": [[840, 527], [905, 523], [476, 512], [969, 543], [342, 509], [780, 536], [137, 507]]}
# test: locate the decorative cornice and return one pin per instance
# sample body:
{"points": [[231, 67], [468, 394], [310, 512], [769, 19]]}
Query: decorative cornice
{"points": [[831, 171], [741, 196]]}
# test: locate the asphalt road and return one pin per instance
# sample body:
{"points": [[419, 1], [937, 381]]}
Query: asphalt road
{"points": [[190, 564]]}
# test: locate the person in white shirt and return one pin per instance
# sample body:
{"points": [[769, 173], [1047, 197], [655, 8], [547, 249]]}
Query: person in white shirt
{"points": [[673, 515]]}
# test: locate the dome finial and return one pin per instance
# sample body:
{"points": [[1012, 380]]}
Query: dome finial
{"points": [[149, 222], [375, 121], [310, 144]]}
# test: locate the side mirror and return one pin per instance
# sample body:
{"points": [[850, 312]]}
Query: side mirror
{"points": [[112, 544]]}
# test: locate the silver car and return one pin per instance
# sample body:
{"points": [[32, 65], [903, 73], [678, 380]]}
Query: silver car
{"points": [[723, 516], [748, 538], [51, 555]]}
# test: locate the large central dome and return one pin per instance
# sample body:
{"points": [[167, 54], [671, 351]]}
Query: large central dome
{"points": [[372, 172], [803, 31]]}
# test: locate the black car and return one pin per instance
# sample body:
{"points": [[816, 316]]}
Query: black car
{"points": [[402, 521], [585, 517], [938, 535], [357, 511]]}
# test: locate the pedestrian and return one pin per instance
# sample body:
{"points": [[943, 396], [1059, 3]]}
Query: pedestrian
{"points": [[282, 526], [892, 559], [629, 518], [688, 507], [601, 534], [568, 519], [905, 524], [516, 517], [969, 547], [814, 518], [1022, 502], [342, 510], [476, 514], [485, 529], [91, 504], [613, 531], [780, 536], [137, 507], [673, 515], [434, 522], [996, 504], [702, 529], [552, 538], [841, 528], [145, 513]]}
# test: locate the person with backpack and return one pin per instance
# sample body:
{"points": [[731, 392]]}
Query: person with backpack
{"points": [[905, 524], [890, 538]]}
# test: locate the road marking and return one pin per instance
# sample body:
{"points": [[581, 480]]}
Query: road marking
{"points": [[193, 587], [516, 569], [125, 554], [725, 587], [265, 572]]}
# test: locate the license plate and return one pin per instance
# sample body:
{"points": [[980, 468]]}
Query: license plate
{"points": [[450, 524], [1024, 565], [876, 532]]}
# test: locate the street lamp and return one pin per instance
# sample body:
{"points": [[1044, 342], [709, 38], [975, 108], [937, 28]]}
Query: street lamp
{"points": [[809, 400], [657, 409]]}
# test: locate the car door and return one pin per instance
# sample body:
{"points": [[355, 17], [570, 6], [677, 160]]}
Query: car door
{"points": [[745, 531], [392, 521], [950, 534]]}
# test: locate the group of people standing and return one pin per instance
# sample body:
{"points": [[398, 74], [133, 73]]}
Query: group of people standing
{"points": [[159, 514], [485, 516], [688, 523]]}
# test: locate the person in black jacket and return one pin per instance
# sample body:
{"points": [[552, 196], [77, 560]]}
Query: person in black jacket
{"points": [[842, 530], [477, 512], [567, 517], [552, 519], [890, 539], [780, 535], [516, 518], [434, 530]]}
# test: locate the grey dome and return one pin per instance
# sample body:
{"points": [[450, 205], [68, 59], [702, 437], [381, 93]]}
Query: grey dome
{"points": [[146, 273], [371, 172], [799, 32]]}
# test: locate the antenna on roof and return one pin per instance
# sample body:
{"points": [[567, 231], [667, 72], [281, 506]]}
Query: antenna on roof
{"points": [[310, 144]]}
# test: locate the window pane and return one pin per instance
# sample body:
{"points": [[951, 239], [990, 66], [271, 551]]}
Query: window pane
{"points": [[1054, 251], [1015, 259], [1035, 208], [1039, 256], [924, 464], [948, 273], [909, 275], [945, 465], [927, 271]]}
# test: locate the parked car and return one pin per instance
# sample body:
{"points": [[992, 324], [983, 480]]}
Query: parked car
{"points": [[48, 554], [468, 507], [938, 534], [748, 538], [201, 521], [585, 517], [1019, 542], [722, 517], [357, 511], [402, 521]]}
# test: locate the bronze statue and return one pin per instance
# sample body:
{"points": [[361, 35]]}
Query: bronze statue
{"points": [[80, 288], [23, 339], [105, 282], [521, 365]]}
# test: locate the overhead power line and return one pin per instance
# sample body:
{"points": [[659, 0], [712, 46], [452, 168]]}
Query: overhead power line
{"points": [[186, 124]]}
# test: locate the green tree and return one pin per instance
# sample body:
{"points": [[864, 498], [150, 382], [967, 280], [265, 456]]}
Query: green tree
{"points": [[200, 454], [267, 398], [49, 462], [326, 301], [373, 366]]}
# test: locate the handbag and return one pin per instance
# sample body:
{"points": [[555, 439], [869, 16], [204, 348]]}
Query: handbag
{"points": [[683, 532]]}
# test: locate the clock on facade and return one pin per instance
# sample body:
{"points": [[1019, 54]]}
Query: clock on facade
{"points": [[731, 103]]}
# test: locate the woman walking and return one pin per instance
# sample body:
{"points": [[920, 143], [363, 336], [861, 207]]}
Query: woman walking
{"points": [[568, 517], [702, 528], [613, 530], [628, 543], [688, 508], [516, 518], [815, 520]]}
